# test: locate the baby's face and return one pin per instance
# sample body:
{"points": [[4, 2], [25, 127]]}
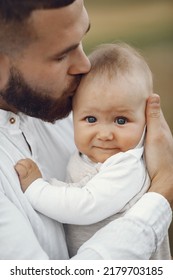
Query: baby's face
{"points": [[109, 117]]}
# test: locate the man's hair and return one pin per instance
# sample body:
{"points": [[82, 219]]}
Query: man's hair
{"points": [[14, 31], [18, 10], [121, 60]]}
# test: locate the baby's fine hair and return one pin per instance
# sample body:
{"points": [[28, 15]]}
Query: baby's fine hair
{"points": [[121, 60]]}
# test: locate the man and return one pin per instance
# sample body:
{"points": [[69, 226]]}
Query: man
{"points": [[41, 60]]}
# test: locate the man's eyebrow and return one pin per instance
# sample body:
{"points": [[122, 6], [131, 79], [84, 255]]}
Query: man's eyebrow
{"points": [[71, 48], [67, 50]]}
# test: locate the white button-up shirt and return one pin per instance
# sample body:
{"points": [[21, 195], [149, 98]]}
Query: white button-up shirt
{"points": [[26, 234]]}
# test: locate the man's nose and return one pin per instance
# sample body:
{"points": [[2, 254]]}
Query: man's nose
{"points": [[80, 63]]}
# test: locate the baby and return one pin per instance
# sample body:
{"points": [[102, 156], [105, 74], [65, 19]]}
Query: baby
{"points": [[107, 174]]}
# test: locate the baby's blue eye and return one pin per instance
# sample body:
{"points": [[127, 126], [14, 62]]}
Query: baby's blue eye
{"points": [[121, 120], [91, 119]]}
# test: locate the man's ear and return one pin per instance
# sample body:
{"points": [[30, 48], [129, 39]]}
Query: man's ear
{"points": [[4, 70]]}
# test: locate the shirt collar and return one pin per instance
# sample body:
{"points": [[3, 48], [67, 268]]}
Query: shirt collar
{"points": [[9, 120]]}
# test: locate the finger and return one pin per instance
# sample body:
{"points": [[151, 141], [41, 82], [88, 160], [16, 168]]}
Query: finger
{"points": [[21, 170], [154, 115], [153, 110]]}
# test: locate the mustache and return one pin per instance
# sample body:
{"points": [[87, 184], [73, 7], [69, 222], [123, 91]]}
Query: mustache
{"points": [[74, 85], [36, 102]]}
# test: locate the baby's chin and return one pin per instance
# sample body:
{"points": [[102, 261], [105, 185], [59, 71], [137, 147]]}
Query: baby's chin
{"points": [[103, 157]]}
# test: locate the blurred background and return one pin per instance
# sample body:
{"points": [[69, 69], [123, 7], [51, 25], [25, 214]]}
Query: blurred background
{"points": [[146, 25]]}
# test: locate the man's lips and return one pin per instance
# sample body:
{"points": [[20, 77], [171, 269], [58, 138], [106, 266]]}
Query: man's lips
{"points": [[73, 87], [76, 83], [73, 90]]}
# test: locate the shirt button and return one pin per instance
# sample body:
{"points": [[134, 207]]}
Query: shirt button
{"points": [[12, 120]]}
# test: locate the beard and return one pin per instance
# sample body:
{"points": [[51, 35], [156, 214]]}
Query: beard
{"points": [[37, 102]]}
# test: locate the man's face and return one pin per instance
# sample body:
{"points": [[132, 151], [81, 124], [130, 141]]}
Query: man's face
{"points": [[35, 102], [44, 76]]}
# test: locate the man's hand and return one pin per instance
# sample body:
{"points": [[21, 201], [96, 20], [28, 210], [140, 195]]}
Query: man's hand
{"points": [[159, 150], [28, 172]]}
